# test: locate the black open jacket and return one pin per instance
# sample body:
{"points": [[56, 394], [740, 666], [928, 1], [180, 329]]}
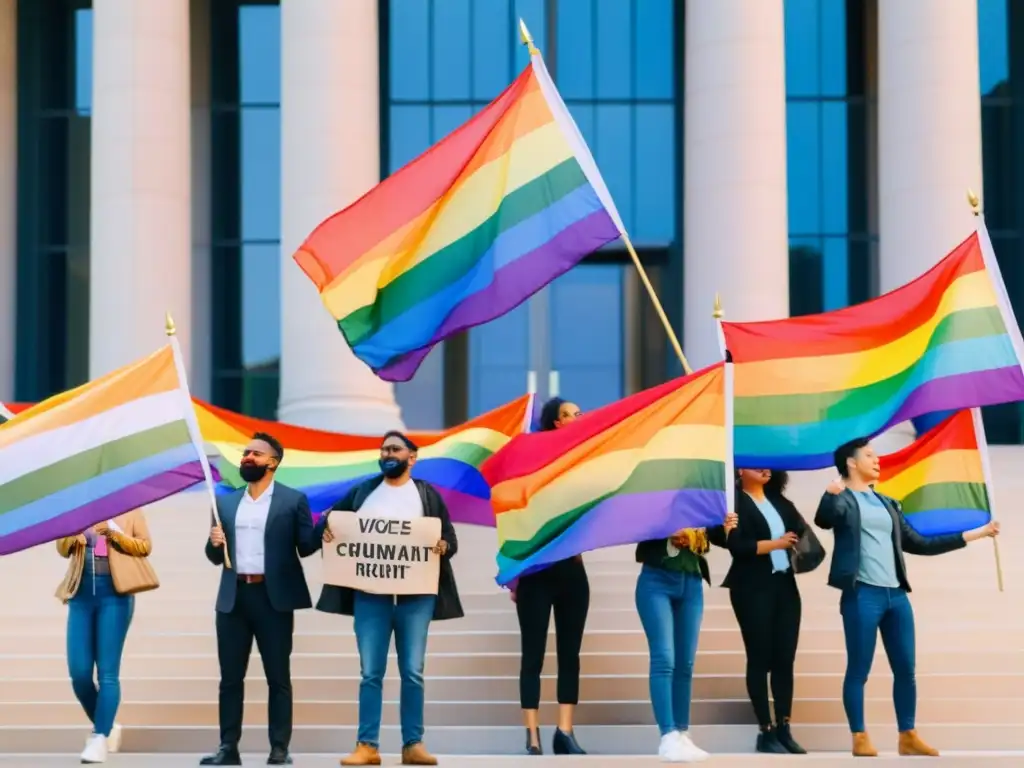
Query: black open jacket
{"points": [[748, 568], [840, 513]]}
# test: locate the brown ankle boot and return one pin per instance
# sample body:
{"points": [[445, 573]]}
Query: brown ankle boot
{"points": [[912, 744], [416, 754], [364, 754], [862, 746]]}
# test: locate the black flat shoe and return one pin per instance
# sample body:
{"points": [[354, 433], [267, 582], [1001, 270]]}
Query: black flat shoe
{"points": [[565, 743], [787, 741], [531, 748], [768, 743], [226, 755]]}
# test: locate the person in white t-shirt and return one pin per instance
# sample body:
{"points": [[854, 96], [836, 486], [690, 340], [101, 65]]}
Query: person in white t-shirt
{"points": [[394, 494]]}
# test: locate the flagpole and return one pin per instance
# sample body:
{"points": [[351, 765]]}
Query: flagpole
{"points": [[193, 424], [1013, 329], [527, 40], [986, 471]]}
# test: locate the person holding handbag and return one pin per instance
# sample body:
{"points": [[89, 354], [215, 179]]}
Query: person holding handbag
{"points": [[108, 566], [771, 543]]}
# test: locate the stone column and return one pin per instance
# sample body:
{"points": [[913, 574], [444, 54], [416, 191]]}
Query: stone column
{"points": [[141, 221], [8, 193], [330, 156], [735, 235], [929, 116]]}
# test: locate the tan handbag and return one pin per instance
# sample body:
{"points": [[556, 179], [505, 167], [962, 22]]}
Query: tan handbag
{"points": [[131, 575]]}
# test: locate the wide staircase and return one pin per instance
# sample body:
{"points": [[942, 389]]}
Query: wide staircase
{"points": [[970, 652]]}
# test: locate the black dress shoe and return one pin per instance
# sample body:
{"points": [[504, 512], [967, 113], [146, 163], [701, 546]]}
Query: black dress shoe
{"points": [[768, 743], [787, 741], [533, 749], [279, 756], [566, 744], [226, 755]]}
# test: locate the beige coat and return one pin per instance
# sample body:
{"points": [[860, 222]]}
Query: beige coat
{"points": [[133, 543]]}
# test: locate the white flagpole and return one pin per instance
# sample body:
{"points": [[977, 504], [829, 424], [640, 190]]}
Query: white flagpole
{"points": [[986, 471], [193, 423]]}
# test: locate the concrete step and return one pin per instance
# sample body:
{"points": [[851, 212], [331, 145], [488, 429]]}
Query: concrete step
{"points": [[494, 664], [493, 688], [508, 641], [878, 711]]}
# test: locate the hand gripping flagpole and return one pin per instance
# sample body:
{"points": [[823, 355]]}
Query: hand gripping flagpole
{"points": [[979, 434], [193, 424], [527, 40]]}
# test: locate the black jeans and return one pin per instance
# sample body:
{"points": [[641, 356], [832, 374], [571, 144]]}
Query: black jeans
{"points": [[254, 617], [768, 613], [565, 588]]}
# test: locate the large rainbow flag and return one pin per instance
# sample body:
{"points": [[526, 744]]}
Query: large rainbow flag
{"points": [[805, 385], [324, 465], [465, 232], [941, 479], [92, 453], [641, 468]]}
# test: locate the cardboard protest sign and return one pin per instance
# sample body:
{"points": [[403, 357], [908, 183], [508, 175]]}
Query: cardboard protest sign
{"points": [[381, 556]]}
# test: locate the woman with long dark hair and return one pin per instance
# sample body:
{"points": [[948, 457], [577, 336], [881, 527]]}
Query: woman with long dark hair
{"points": [[764, 596], [564, 589]]}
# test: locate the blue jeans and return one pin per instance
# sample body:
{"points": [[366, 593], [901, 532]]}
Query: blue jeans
{"points": [[866, 610], [376, 617], [671, 606], [98, 620]]}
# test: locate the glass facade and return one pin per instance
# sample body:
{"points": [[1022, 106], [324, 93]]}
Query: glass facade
{"points": [[829, 114], [615, 63], [1001, 65], [54, 101], [245, 78]]}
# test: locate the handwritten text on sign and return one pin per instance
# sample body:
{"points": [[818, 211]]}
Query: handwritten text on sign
{"points": [[385, 557]]}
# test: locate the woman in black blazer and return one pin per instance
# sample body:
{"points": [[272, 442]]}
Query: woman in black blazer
{"points": [[764, 596]]}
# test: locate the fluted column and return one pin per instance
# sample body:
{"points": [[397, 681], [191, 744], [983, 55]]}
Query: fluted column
{"points": [[929, 115], [735, 221], [8, 193], [140, 225], [330, 156]]}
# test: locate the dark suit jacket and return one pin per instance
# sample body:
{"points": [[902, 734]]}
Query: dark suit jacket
{"points": [[289, 535], [748, 568], [334, 599], [840, 513]]}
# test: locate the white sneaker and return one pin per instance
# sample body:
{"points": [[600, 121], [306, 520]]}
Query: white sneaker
{"points": [[670, 749], [96, 750], [114, 740], [690, 751]]}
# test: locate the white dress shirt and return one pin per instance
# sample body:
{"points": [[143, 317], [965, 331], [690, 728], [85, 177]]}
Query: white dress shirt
{"points": [[250, 532], [394, 502]]}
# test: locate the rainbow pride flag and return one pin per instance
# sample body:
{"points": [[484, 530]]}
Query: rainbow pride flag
{"points": [[92, 453], [641, 468], [324, 465], [805, 385], [941, 479], [465, 232]]}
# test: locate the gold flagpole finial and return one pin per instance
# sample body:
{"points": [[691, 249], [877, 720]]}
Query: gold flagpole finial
{"points": [[169, 327], [718, 312], [524, 35], [974, 202]]}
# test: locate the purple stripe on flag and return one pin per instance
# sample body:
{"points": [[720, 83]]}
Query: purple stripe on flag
{"points": [[626, 519], [514, 284], [77, 520], [964, 390]]}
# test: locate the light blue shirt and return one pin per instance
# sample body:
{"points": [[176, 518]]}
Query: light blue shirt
{"points": [[877, 556], [780, 557]]}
